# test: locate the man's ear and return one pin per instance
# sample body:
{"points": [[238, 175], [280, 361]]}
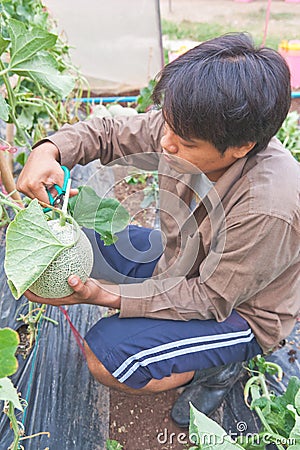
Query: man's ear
{"points": [[240, 152]]}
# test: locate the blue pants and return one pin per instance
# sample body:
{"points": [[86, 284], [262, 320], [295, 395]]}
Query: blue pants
{"points": [[136, 350]]}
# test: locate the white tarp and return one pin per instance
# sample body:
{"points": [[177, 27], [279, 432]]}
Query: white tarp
{"points": [[117, 43]]}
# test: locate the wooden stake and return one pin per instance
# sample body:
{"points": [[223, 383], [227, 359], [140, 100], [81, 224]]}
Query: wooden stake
{"points": [[7, 177], [10, 132]]}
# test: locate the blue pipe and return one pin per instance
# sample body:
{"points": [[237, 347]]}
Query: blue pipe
{"points": [[106, 99], [130, 99]]}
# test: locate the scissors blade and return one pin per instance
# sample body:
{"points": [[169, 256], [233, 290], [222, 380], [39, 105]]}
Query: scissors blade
{"points": [[59, 201], [66, 197]]}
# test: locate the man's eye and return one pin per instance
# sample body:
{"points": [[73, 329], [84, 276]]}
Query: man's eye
{"points": [[188, 145]]}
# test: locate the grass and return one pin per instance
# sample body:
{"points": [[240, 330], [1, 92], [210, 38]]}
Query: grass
{"points": [[196, 31], [282, 16], [254, 23]]}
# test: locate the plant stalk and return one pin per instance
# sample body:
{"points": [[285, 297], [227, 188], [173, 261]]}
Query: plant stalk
{"points": [[4, 201], [13, 103], [31, 323], [10, 140], [14, 425], [39, 315], [254, 389]]}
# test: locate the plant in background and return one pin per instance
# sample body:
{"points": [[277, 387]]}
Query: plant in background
{"points": [[34, 70], [150, 190], [144, 100], [37, 79], [36, 73], [9, 341], [279, 416], [289, 134]]}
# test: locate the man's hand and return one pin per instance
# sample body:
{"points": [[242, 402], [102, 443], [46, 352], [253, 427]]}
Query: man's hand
{"points": [[42, 170], [91, 292]]}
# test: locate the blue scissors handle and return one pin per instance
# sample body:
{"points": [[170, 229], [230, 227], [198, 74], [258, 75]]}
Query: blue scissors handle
{"points": [[60, 190]]}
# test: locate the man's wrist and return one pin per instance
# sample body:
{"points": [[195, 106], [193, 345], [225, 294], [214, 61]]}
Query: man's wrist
{"points": [[46, 146], [113, 295]]}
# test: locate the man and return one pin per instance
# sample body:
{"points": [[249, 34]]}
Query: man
{"points": [[225, 287]]}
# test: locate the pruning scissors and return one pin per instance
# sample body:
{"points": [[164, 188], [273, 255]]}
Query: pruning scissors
{"points": [[58, 200]]}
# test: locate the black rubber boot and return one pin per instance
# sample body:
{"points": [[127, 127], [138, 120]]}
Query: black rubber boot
{"points": [[206, 392]]}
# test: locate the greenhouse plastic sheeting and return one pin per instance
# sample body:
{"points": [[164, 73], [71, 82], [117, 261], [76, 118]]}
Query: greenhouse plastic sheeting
{"points": [[117, 45]]}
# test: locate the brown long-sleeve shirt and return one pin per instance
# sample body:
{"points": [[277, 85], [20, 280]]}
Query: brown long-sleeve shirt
{"points": [[239, 249]]}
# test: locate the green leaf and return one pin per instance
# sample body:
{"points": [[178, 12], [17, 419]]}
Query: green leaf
{"points": [[111, 444], [4, 43], [30, 248], [25, 43], [22, 158], [8, 392], [297, 401], [276, 410], [9, 341], [292, 390], [145, 98], [207, 434], [42, 69], [27, 116], [261, 402], [4, 111], [289, 133], [104, 215], [295, 432]]}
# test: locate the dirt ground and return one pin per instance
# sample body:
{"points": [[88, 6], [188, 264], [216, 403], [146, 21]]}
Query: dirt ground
{"points": [[143, 422]]}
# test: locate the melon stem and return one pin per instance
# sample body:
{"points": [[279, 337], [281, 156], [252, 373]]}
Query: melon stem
{"points": [[62, 219]]}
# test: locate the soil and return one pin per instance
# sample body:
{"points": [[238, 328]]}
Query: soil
{"points": [[144, 423]]}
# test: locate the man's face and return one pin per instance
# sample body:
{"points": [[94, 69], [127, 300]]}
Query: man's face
{"points": [[197, 154]]}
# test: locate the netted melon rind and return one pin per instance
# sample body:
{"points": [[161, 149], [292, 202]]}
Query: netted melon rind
{"points": [[77, 260]]}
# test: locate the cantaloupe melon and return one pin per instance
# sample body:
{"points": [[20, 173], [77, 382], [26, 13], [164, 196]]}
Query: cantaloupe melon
{"points": [[76, 260]]}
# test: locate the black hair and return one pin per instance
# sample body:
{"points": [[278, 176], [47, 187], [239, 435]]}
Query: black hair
{"points": [[225, 91]]}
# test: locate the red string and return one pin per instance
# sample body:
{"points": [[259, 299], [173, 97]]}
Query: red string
{"points": [[267, 23], [77, 335], [8, 148]]}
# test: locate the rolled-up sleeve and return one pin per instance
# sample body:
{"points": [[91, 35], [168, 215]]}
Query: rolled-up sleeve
{"points": [[108, 139]]}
